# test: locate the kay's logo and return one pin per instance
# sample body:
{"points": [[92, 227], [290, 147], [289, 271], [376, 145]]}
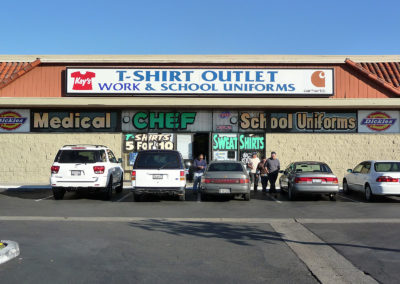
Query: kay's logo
{"points": [[83, 82]]}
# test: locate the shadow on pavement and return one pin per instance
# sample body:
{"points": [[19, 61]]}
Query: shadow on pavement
{"points": [[233, 233]]}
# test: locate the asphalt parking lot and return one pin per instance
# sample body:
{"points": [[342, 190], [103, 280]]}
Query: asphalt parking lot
{"points": [[162, 240]]}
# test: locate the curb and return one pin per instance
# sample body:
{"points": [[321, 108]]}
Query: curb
{"points": [[9, 252], [23, 187]]}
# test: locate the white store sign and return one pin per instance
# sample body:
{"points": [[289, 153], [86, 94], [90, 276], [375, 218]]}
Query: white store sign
{"points": [[378, 121], [106, 81], [15, 120]]}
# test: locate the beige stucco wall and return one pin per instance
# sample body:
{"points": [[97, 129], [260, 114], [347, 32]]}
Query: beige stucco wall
{"points": [[26, 158], [339, 151]]}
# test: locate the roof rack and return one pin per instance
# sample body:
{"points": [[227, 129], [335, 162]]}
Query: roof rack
{"points": [[97, 146]]}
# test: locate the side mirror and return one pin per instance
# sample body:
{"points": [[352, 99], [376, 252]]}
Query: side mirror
{"points": [[349, 170], [281, 171], [120, 161], [285, 172]]}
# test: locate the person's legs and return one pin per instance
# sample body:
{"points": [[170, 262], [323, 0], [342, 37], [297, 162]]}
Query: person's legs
{"points": [[251, 177], [264, 183], [272, 181], [196, 183], [255, 182]]}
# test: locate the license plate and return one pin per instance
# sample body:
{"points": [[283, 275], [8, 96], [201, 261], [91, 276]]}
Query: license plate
{"points": [[157, 176], [317, 181], [75, 173], [224, 190]]}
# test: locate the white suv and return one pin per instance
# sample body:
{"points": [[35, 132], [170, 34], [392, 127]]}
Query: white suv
{"points": [[93, 167]]}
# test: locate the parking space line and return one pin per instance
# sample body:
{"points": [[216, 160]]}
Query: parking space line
{"points": [[348, 198], [323, 261], [123, 197], [44, 198], [274, 199]]}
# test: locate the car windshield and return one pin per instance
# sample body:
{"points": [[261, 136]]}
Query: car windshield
{"points": [[157, 160], [316, 168], [79, 156], [225, 167], [387, 167]]}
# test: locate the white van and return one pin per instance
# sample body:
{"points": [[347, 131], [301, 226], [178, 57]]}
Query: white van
{"points": [[158, 172]]}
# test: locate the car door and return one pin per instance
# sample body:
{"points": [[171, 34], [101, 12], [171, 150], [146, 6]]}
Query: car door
{"points": [[363, 175], [115, 169], [284, 177], [352, 178]]}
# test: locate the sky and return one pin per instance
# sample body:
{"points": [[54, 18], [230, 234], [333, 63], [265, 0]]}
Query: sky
{"points": [[200, 27]]}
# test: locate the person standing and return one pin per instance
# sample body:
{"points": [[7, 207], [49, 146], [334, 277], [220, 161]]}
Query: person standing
{"points": [[253, 163], [199, 167], [263, 173], [273, 166]]}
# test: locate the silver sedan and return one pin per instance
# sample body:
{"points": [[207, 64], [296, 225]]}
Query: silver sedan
{"points": [[229, 178], [309, 177]]}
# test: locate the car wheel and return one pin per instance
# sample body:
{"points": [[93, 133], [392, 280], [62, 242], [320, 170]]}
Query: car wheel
{"points": [[203, 197], [332, 197], [369, 196], [58, 193], [346, 189], [120, 187], [181, 197], [137, 197], [107, 194], [247, 196], [291, 193]]}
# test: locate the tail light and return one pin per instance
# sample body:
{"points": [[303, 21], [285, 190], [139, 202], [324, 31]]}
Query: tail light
{"points": [[333, 180], [387, 179], [55, 169], [133, 175], [244, 180], [99, 169], [182, 178]]}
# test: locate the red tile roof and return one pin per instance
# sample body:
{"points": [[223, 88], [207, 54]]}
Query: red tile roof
{"points": [[9, 71], [385, 74]]}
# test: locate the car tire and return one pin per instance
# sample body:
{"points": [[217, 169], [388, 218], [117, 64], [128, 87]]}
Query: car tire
{"points": [[181, 197], [107, 194], [247, 196], [291, 193], [346, 189], [137, 197], [332, 197], [369, 196], [120, 187], [203, 197], [58, 193]]}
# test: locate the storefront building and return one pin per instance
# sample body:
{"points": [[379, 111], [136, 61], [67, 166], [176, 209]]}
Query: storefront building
{"points": [[325, 108]]}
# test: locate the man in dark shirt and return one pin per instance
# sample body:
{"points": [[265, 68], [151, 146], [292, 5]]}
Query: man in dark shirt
{"points": [[199, 167], [273, 166]]}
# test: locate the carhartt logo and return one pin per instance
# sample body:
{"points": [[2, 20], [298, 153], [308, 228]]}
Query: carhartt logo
{"points": [[318, 79], [83, 82]]}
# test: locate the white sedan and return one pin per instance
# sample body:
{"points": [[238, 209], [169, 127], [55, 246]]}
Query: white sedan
{"points": [[374, 178]]}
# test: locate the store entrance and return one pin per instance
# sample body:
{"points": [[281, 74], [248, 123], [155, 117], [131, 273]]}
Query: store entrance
{"points": [[201, 145]]}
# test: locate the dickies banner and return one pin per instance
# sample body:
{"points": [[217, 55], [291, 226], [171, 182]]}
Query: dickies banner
{"points": [[128, 81], [75, 121], [378, 121], [14, 120]]}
